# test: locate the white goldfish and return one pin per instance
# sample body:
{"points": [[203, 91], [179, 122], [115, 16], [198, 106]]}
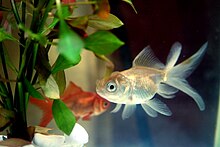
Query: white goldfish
{"points": [[147, 77]]}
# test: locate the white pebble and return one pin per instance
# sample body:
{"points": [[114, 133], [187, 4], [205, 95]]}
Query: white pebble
{"points": [[78, 136], [48, 140]]}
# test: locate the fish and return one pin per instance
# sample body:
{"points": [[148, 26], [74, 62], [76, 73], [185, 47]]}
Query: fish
{"points": [[83, 104], [149, 77]]}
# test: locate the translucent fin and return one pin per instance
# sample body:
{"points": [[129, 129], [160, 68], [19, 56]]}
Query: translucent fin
{"points": [[176, 75], [128, 110], [185, 68], [166, 91], [183, 85], [147, 58], [168, 96], [151, 112], [164, 88], [159, 106], [173, 55], [117, 108]]}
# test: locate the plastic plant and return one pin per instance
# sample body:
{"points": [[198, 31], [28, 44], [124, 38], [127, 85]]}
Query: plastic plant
{"points": [[42, 24]]}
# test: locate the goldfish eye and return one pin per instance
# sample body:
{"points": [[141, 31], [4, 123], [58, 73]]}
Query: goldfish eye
{"points": [[111, 87], [105, 104]]}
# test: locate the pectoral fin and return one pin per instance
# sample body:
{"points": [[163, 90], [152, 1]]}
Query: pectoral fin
{"points": [[117, 108], [128, 110]]}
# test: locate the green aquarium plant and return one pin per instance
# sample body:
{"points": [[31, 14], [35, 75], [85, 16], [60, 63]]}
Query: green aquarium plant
{"points": [[34, 27]]}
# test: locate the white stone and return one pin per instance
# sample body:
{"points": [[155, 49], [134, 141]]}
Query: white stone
{"points": [[48, 140], [78, 136]]}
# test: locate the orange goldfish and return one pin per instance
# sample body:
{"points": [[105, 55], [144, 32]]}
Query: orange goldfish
{"points": [[83, 104], [147, 77]]}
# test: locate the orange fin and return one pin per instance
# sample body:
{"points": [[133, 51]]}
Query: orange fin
{"points": [[87, 117], [46, 107], [47, 117], [71, 89]]}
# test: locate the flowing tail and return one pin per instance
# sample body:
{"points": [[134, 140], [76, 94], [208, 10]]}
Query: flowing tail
{"points": [[176, 75], [46, 107]]}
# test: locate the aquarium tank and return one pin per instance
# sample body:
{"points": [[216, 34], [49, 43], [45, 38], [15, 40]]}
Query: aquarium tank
{"points": [[125, 28]]}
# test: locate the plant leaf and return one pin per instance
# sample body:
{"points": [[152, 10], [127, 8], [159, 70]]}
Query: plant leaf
{"points": [[60, 80], [42, 65], [33, 92], [70, 44], [105, 24], [131, 4], [6, 117], [61, 64], [79, 22], [5, 36], [9, 61], [65, 12], [3, 90], [102, 42], [51, 89], [63, 117]]}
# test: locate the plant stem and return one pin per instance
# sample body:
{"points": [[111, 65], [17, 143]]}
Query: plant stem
{"points": [[21, 105], [15, 11], [22, 33], [44, 18], [37, 25], [23, 60], [32, 62], [59, 9]]}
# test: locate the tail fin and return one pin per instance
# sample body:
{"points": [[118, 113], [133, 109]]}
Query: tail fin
{"points": [[46, 107], [177, 74]]}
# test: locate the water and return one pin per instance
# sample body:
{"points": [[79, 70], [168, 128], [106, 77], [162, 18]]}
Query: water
{"points": [[160, 24]]}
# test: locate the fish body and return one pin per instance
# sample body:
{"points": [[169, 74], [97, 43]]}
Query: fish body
{"points": [[83, 104], [148, 77]]}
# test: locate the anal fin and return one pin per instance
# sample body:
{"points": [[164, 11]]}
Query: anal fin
{"points": [[149, 110], [159, 106]]}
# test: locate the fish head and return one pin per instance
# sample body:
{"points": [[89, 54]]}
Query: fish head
{"points": [[115, 88], [100, 105]]}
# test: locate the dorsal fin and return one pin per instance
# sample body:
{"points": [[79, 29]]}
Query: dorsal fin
{"points": [[147, 58], [173, 55]]}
